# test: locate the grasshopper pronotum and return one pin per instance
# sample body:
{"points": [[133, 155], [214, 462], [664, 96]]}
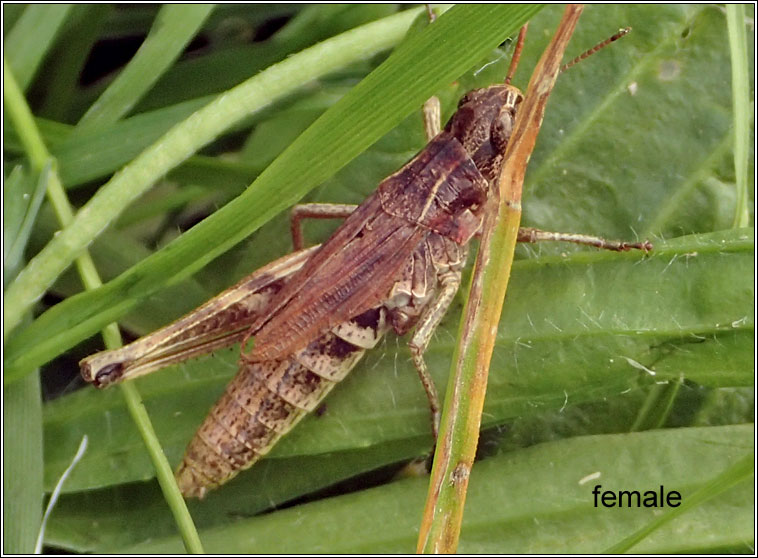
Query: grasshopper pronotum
{"points": [[395, 263]]}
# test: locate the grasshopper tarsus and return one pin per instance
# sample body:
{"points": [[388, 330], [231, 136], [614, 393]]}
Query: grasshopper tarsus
{"points": [[108, 375], [644, 246]]}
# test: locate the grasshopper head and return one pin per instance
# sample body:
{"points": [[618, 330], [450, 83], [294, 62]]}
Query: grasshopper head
{"points": [[483, 124]]}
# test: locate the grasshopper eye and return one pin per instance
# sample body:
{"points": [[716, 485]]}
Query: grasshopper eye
{"points": [[502, 128]]}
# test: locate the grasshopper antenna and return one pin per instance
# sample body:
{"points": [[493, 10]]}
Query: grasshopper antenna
{"points": [[593, 50], [516, 54]]}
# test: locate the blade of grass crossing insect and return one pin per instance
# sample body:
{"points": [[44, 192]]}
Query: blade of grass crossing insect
{"points": [[464, 400], [371, 109], [20, 113]]}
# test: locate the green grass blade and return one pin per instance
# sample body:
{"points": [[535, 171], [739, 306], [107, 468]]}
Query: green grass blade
{"points": [[555, 515], [22, 465], [79, 37], [22, 198], [742, 108], [164, 472], [175, 26], [31, 37]]}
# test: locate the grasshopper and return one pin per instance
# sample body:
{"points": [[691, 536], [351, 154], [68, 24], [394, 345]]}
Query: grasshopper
{"points": [[394, 264]]}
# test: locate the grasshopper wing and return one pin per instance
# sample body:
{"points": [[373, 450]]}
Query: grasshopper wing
{"points": [[351, 273], [440, 191]]}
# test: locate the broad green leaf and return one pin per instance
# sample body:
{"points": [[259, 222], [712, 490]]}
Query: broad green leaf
{"points": [[534, 501], [630, 150]]}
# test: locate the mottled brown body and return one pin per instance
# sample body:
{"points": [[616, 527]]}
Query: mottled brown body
{"points": [[395, 263], [265, 400], [381, 268]]}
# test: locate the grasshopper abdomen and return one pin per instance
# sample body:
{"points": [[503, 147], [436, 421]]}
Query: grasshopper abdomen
{"points": [[266, 399]]}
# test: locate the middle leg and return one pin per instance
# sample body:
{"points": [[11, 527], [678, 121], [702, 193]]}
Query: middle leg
{"points": [[427, 323], [315, 211]]}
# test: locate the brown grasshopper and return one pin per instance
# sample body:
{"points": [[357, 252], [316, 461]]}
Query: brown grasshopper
{"points": [[394, 263]]}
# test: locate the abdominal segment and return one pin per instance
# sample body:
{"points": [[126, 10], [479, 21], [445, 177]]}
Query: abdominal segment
{"points": [[266, 399]]}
